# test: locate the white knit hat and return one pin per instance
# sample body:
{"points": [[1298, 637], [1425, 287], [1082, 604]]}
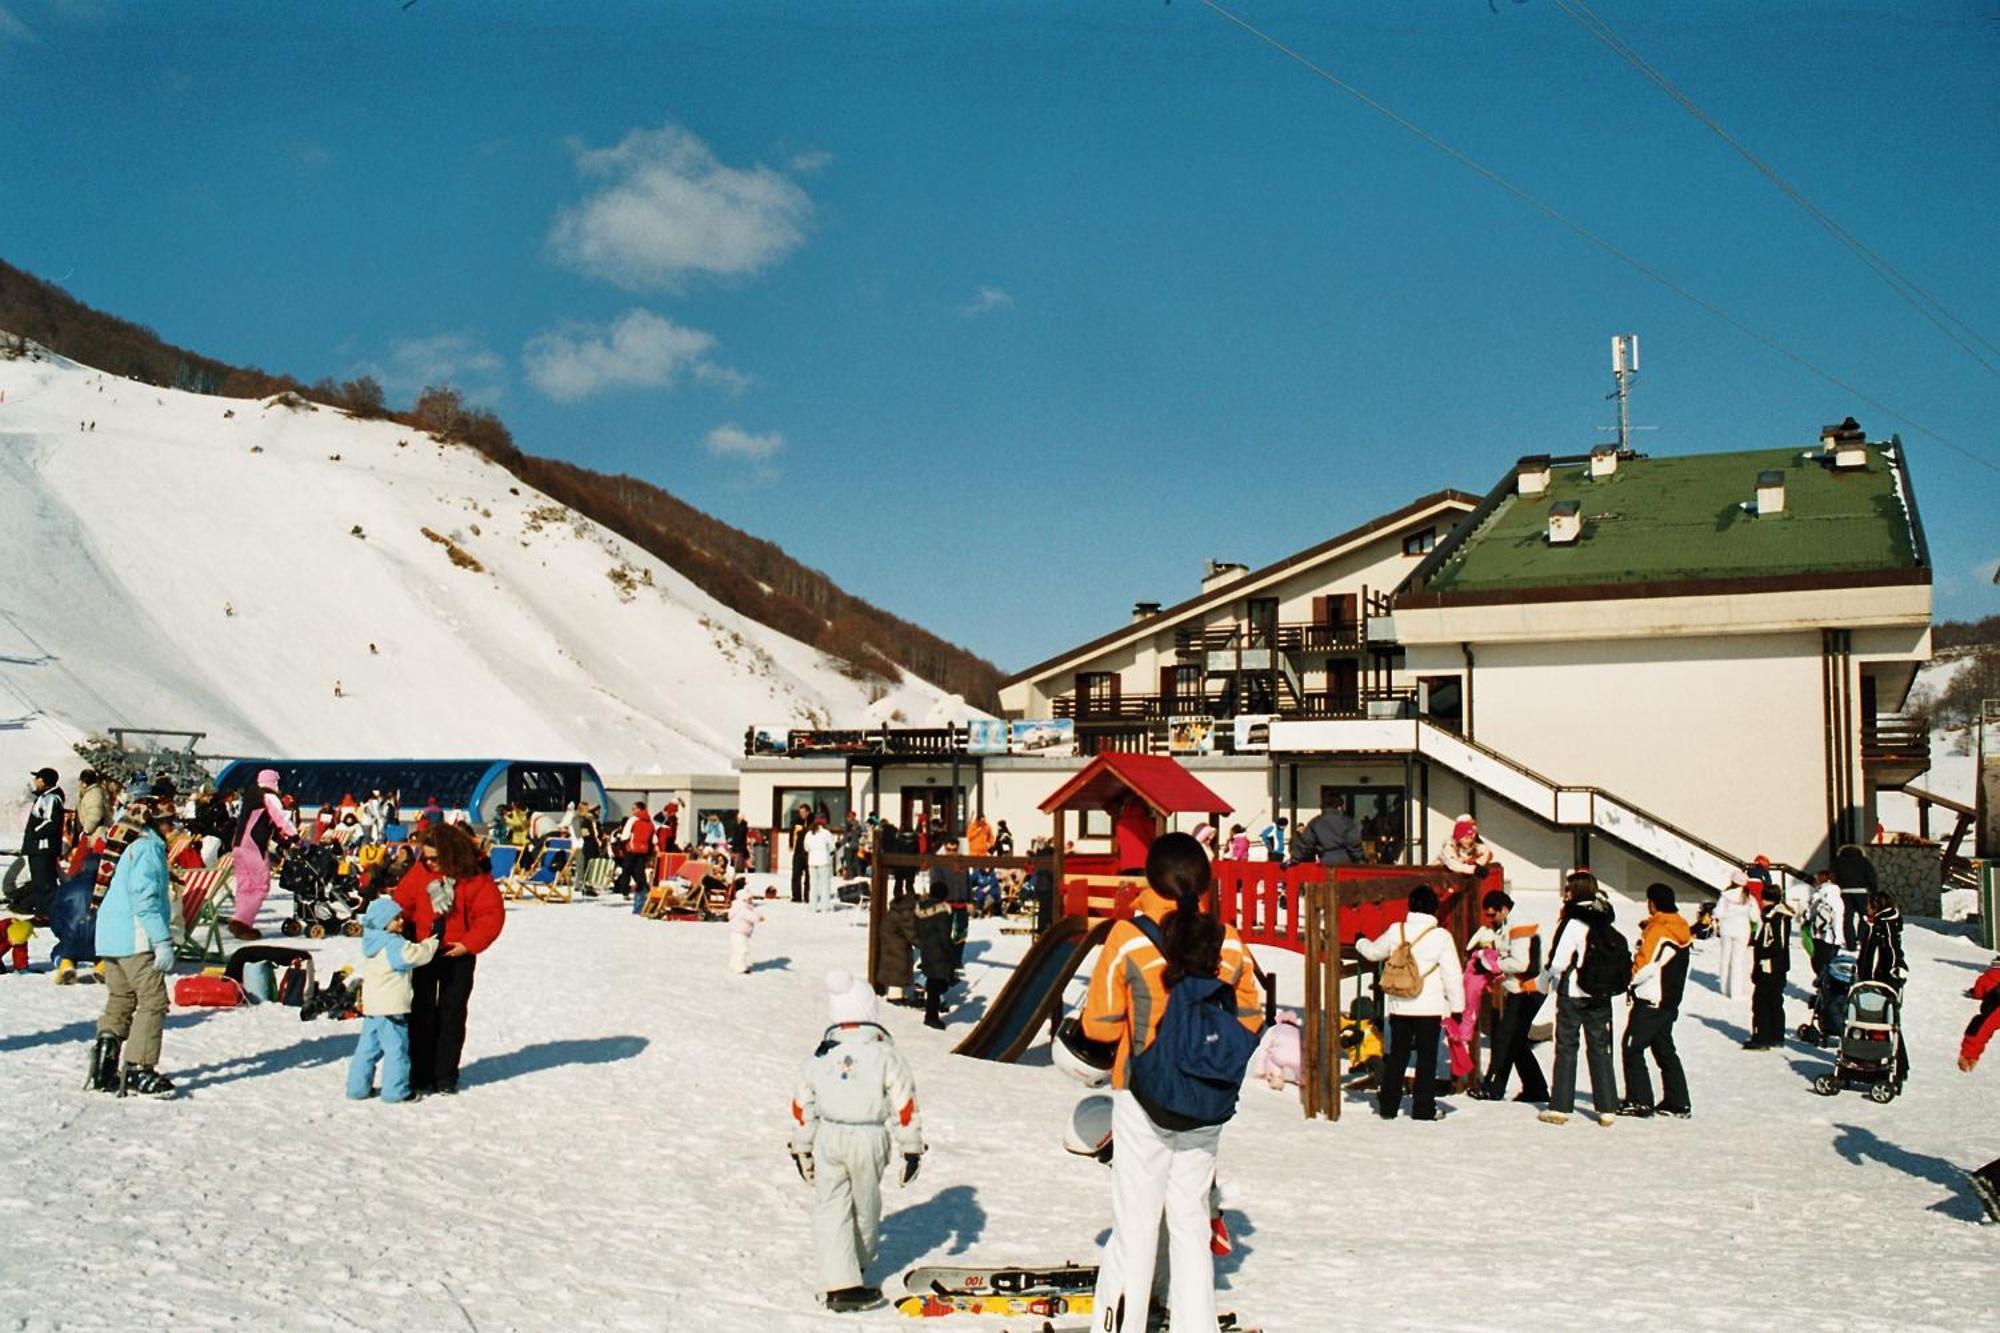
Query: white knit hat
{"points": [[848, 1000]]}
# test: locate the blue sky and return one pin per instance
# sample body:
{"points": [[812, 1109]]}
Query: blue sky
{"points": [[1009, 315]]}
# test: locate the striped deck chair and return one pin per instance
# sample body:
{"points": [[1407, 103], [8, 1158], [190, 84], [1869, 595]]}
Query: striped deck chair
{"points": [[207, 897], [599, 873]]}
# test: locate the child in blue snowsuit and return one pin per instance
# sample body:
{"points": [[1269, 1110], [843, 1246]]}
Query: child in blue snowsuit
{"points": [[387, 959]]}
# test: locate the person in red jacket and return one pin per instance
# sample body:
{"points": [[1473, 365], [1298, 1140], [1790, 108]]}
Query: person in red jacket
{"points": [[449, 896], [1986, 1180]]}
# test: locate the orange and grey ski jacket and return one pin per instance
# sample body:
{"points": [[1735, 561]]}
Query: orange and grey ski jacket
{"points": [[1127, 996]]}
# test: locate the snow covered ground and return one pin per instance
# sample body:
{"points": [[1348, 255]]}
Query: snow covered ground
{"points": [[178, 560], [616, 1159]]}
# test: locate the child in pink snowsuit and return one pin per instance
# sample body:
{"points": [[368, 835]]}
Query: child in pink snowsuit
{"points": [[744, 919], [1279, 1056], [264, 819], [1481, 966]]}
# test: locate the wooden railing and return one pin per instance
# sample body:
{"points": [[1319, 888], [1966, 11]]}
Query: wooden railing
{"points": [[1291, 637], [1317, 705], [1895, 740]]}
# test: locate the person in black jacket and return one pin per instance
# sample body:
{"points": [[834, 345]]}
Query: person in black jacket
{"points": [[1659, 978], [934, 949], [1332, 838], [1771, 960], [41, 840], [1880, 955]]}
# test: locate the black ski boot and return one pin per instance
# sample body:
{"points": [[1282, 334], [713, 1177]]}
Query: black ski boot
{"points": [[103, 1075], [849, 1299], [146, 1081]]}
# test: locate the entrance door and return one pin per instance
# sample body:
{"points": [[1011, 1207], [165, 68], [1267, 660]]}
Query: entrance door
{"points": [[922, 804], [1380, 813], [1343, 685]]}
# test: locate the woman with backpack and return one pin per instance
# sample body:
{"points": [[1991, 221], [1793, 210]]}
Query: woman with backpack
{"points": [[1589, 962], [1166, 1142], [1422, 982]]}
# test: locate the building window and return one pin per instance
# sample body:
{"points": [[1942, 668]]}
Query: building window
{"points": [[1263, 622], [1096, 692], [1420, 543]]}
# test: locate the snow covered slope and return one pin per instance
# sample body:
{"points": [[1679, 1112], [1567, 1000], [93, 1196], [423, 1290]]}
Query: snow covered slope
{"points": [[177, 560]]}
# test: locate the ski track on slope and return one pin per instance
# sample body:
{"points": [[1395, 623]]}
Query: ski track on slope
{"points": [[616, 1160]]}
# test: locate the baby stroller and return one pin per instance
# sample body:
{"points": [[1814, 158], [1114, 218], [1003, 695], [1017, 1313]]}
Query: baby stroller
{"points": [[1829, 1002], [324, 901], [1871, 1039]]}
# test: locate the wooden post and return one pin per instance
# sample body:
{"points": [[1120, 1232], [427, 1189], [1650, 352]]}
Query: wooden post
{"points": [[1057, 906], [1319, 1081], [1312, 1043], [878, 902], [1333, 965]]}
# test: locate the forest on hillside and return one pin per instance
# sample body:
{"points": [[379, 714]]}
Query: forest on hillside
{"points": [[745, 573]]}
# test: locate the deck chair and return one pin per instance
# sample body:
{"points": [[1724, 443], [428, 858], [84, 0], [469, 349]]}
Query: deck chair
{"points": [[599, 873], [546, 880], [672, 900], [207, 897], [502, 863]]}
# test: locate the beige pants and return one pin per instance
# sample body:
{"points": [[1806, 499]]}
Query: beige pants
{"points": [[132, 984]]}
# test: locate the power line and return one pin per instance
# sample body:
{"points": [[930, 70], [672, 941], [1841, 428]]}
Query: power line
{"points": [[1556, 215], [1920, 300]]}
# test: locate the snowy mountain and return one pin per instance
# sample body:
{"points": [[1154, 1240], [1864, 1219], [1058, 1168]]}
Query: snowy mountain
{"points": [[291, 580]]}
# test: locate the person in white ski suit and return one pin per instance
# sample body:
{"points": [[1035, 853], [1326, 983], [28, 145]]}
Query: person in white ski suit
{"points": [[1736, 917], [819, 847], [856, 1102], [744, 918]]}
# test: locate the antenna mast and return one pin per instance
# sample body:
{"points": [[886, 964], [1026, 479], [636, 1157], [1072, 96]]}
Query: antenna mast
{"points": [[1624, 369]]}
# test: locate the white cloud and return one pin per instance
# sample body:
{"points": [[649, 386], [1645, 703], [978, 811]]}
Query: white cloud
{"points": [[638, 350], [665, 209], [440, 358], [811, 161], [732, 441], [984, 301]]}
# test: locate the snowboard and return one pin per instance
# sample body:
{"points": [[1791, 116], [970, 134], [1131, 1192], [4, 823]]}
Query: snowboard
{"points": [[1020, 1280]]}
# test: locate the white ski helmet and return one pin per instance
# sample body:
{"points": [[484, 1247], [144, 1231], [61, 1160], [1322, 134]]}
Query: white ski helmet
{"points": [[1089, 1132], [1088, 1062]]}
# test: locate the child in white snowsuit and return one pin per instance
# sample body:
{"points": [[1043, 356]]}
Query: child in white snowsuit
{"points": [[744, 919], [856, 1100], [387, 959]]}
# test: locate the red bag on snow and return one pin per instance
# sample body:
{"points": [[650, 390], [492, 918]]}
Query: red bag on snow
{"points": [[207, 993]]}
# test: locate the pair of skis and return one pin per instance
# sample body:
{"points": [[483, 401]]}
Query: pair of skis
{"points": [[938, 1291]]}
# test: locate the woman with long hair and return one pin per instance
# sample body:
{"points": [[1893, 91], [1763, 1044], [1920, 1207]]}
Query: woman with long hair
{"points": [[1158, 1170], [447, 895]]}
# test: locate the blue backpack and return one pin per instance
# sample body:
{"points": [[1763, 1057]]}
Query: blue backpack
{"points": [[1191, 1074]]}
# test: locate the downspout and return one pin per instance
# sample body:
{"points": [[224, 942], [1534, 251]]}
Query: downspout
{"points": [[1471, 791]]}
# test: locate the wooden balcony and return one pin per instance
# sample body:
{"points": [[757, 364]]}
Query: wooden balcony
{"points": [[1300, 637], [1316, 706]]}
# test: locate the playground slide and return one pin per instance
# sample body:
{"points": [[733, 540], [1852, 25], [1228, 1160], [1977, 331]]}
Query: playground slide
{"points": [[1034, 994]]}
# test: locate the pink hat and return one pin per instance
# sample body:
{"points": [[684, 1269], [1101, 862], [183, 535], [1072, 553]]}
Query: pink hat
{"points": [[1463, 829], [268, 777]]}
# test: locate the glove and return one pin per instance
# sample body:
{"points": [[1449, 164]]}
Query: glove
{"points": [[163, 957], [804, 1162], [911, 1161]]}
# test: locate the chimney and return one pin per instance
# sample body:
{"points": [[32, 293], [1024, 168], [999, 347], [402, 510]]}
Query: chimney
{"points": [[1770, 493], [1531, 475], [1219, 572], [1603, 461], [1144, 611], [1565, 523], [1845, 445]]}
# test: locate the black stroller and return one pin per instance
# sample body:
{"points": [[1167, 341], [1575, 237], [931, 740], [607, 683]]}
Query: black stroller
{"points": [[324, 900], [1871, 1040], [1829, 1002]]}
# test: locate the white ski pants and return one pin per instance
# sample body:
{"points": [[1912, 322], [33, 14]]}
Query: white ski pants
{"points": [[1157, 1171], [848, 1161], [819, 877], [739, 952], [1733, 968]]}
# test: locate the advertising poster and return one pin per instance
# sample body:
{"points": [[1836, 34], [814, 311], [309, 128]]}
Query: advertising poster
{"points": [[1044, 736], [986, 736], [1190, 735]]}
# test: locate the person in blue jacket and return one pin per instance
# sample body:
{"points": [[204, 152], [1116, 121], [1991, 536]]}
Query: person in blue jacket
{"points": [[137, 950], [387, 959]]}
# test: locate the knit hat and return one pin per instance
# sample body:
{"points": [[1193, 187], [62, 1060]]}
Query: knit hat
{"points": [[1463, 829], [268, 777], [848, 1000], [1737, 879], [381, 912]]}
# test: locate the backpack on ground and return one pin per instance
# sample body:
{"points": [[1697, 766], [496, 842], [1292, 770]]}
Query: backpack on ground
{"points": [[1606, 969], [1190, 1075], [1401, 977]]}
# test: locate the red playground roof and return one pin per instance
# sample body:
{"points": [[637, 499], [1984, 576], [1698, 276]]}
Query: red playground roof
{"points": [[1157, 779]]}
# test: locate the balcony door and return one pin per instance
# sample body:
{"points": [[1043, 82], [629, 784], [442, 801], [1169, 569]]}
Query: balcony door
{"points": [[1097, 694], [1261, 623]]}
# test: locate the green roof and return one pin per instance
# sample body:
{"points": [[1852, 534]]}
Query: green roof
{"points": [[1668, 520]]}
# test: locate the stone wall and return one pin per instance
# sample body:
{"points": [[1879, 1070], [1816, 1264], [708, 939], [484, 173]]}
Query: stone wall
{"points": [[1913, 876]]}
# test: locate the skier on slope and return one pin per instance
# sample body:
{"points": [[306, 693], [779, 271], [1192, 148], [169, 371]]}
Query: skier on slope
{"points": [[856, 1102]]}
